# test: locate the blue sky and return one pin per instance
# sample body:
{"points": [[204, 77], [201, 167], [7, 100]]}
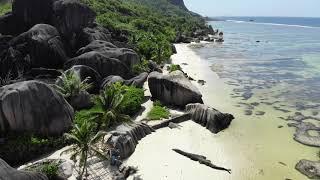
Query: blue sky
{"points": [[295, 8]]}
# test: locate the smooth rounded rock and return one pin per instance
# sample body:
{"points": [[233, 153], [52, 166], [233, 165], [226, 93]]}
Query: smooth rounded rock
{"points": [[34, 107]]}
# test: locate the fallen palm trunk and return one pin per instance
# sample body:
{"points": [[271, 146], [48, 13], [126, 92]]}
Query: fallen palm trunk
{"points": [[201, 159]]}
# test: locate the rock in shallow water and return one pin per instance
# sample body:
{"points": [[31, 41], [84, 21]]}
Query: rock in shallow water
{"points": [[212, 119], [126, 136], [34, 107], [173, 89], [309, 168], [302, 133], [9, 173]]}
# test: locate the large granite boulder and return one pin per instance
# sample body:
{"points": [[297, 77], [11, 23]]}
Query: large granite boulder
{"points": [[128, 56], [81, 101], [34, 107], [137, 81], [173, 89], [87, 72], [32, 12], [126, 137], [43, 43], [212, 119], [43, 73], [88, 35], [9, 173], [309, 168], [10, 25], [96, 45], [104, 65], [71, 16]]}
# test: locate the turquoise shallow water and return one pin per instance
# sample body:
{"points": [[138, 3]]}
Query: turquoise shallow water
{"points": [[257, 57]]}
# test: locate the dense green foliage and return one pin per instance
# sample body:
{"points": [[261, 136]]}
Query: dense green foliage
{"points": [[150, 25], [113, 106], [143, 66], [133, 98], [174, 67], [4, 8], [158, 112], [16, 147], [71, 85]]}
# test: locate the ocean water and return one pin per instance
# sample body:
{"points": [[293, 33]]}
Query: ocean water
{"points": [[278, 61]]}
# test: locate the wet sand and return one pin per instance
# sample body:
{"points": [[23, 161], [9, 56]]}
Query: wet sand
{"points": [[254, 146]]}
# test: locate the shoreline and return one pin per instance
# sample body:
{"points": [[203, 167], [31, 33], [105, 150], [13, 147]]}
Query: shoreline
{"points": [[246, 147]]}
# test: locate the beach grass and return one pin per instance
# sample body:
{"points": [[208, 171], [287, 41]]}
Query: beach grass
{"points": [[158, 112]]}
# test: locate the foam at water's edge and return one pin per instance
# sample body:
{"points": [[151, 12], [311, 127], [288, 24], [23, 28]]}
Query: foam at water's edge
{"points": [[273, 24]]}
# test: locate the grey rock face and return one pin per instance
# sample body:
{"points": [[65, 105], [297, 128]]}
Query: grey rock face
{"points": [[34, 107], [71, 16], [173, 89], [104, 65], [126, 136], [32, 12], [212, 119], [88, 35], [43, 43], [309, 168], [137, 81], [10, 25], [87, 72], [9, 173], [96, 45], [127, 56], [81, 101], [108, 81], [154, 67]]}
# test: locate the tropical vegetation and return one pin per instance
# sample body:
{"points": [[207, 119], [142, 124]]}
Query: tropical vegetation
{"points": [[4, 8], [85, 145], [174, 67], [149, 26], [158, 112], [70, 84]]}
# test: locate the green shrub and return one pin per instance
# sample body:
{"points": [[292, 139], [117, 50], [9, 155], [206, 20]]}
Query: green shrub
{"points": [[143, 66], [15, 147], [174, 67], [133, 98], [4, 8], [50, 169], [158, 103], [158, 112]]}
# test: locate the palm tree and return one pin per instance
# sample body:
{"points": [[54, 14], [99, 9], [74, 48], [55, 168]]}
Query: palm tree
{"points": [[110, 102], [85, 145], [70, 84]]}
